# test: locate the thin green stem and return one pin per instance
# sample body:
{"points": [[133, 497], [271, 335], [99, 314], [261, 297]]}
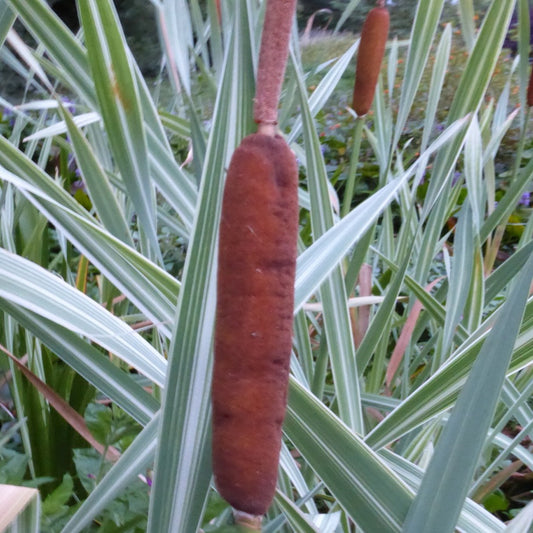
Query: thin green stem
{"points": [[354, 162]]}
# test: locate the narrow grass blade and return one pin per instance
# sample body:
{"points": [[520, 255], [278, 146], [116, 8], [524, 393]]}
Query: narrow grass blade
{"points": [[114, 77], [460, 276], [40, 291], [377, 327], [128, 269], [48, 29], [332, 291], [346, 13], [372, 495], [496, 282], [482, 60], [24, 52], [508, 202], [324, 89], [72, 67], [100, 190], [316, 263], [439, 392], [424, 27], [467, 18], [62, 407], [445, 484], [473, 519], [473, 172], [177, 40], [296, 519], [524, 40], [60, 127], [89, 362], [468, 97], [292, 470], [177, 125], [7, 18]]}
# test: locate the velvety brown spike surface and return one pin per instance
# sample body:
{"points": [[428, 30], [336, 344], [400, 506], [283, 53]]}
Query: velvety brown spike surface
{"points": [[369, 57], [253, 333], [273, 59]]}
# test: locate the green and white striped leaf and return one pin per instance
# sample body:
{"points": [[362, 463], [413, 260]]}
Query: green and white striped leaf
{"points": [[437, 82], [439, 392], [445, 483], [424, 27], [7, 18], [182, 469], [89, 362], [45, 294], [71, 65], [120, 108], [324, 89], [100, 190], [175, 33], [316, 262], [460, 276], [373, 496], [332, 291], [297, 520], [474, 517], [66, 50], [128, 269]]}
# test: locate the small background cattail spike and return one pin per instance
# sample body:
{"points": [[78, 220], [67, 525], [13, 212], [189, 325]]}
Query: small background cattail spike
{"points": [[369, 58], [273, 59]]}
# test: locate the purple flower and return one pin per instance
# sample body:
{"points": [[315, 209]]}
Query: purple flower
{"points": [[68, 103], [456, 177], [525, 199], [8, 114], [76, 186]]}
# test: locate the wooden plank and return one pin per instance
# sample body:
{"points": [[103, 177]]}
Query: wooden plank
{"points": [[13, 500]]}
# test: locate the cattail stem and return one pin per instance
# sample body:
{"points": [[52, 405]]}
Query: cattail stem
{"points": [[247, 522], [273, 59], [354, 162]]}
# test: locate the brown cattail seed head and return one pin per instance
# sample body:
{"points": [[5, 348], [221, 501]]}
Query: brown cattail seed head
{"points": [[369, 58], [253, 332]]}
